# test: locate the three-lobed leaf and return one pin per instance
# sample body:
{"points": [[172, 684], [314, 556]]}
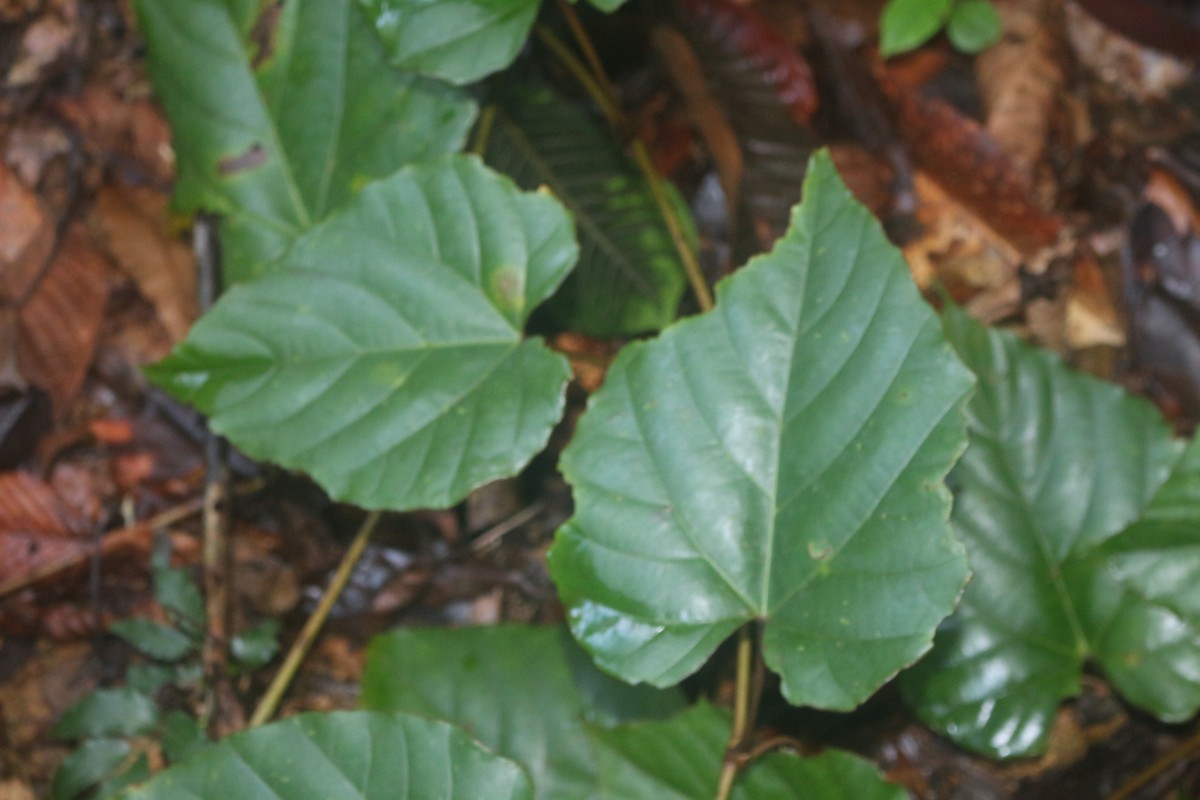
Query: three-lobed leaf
{"points": [[385, 357], [274, 135], [350, 755], [778, 459], [1058, 464]]}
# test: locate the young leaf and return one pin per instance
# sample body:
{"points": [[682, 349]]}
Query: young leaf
{"points": [[108, 712], [88, 764], [629, 279], [779, 459], [680, 759], [908, 24], [1058, 463], [523, 691], [275, 147], [177, 592], [386, 358], [459, 41], [347, 755], [155, 639], [973, 25]]}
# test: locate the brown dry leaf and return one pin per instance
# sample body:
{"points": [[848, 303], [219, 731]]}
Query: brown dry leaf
{"points": [[47, 40], [964, 158], [1020, 77], [26, 236], [1092, 317], [16, 790], [1094, 24], [123, 132], [957, 248], [130, 223], [60, 323], [35, 529]]}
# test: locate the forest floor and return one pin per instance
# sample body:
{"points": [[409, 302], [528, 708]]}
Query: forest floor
{"points": [[1051, 185]]}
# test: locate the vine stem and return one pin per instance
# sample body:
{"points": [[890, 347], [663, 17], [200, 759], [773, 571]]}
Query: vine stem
{"points": [[596, 84], [270, 701]]}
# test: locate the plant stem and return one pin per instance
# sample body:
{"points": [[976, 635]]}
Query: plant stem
{"points": [[743, 713], [601, 93], [270, 701]]}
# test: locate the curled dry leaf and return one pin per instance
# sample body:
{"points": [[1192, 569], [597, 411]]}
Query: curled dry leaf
{"points": [[1020, 77], [26, 236], [59, 325], [131, 225], [968, 162]]}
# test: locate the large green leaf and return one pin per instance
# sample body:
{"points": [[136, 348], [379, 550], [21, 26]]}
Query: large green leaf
{"points": [[350, 755], [456, 40], [523, 691], [1058, 463], [778, 459], [680, 759], [629, 279], [533, 696], [273, 141], [386, 359]]}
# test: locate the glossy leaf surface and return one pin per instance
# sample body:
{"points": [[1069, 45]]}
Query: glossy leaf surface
{"points": [[680, 759], [385, 358], [629, 279], [523, 691], [556, 712], [274, 140], [347, 755], [1058, 463], [779, 459], [459, 41], [974, 25], [907, 24]]}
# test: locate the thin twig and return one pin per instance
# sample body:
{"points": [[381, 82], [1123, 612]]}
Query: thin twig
{"points": [[312, 627], [1188, 747]]}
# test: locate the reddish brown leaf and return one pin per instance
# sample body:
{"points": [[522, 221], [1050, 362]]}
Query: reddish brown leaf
{"points": [[780, 64], [59, 325], [130, 223], [26, 236], [122, 132], [968, 162], [35, 530]]}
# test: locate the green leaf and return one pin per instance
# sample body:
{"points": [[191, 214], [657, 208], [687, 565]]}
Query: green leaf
{"points": [[608, 5], [681, 758], [907, 24], [459, 41], [386, 358], [182, 737], [1058, 463], [88, 764], [1151, 647], [629, 279], [974, 25], [350, 755], [155, 639], [108, 712], [523, 691], [779, 459], [177, 592], [275, 147], [255, 647]]}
